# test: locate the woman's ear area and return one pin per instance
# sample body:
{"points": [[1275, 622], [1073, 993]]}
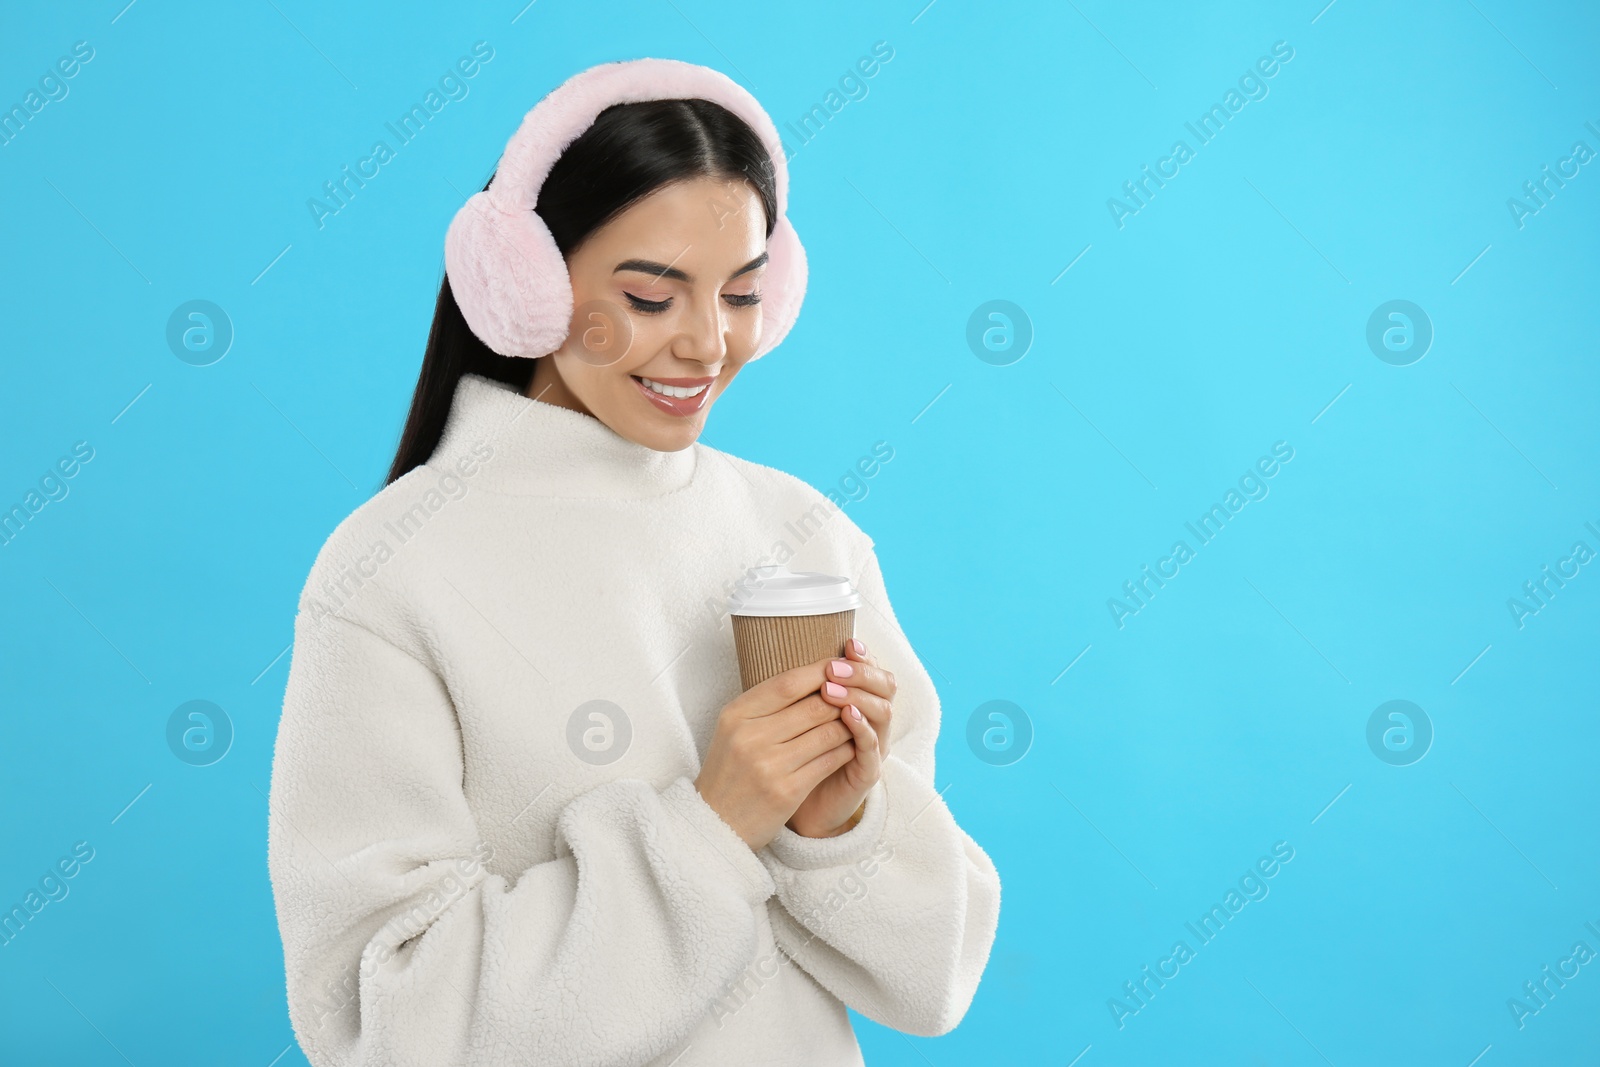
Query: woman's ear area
{"points": [[785, 286], [509, 278]]}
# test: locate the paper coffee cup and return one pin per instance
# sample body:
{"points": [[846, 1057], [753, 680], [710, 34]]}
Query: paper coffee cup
{"points": [[784, 619]]}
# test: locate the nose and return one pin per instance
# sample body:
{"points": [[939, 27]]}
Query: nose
{"points": [[704, 336]]}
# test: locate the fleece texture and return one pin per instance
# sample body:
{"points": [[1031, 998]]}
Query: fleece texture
{"points": [[508, 277], [485, 843]]}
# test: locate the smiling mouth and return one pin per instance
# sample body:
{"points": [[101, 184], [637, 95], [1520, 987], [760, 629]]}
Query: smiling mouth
{"points": [[675, 396]]}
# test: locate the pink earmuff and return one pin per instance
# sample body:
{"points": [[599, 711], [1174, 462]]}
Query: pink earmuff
{"points": [[509, 278]]}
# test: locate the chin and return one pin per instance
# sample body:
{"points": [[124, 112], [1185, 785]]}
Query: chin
{"points": [[679, 437], [664, 431], [674, 436]]}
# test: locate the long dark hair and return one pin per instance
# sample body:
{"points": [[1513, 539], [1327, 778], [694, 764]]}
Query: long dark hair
{"points": [[630, 151]]}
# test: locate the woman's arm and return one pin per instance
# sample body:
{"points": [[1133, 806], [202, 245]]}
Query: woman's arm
{"points": [[401, 949], [896, 916]]}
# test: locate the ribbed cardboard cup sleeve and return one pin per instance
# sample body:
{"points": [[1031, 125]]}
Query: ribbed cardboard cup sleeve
{"points": [[771, 644]]}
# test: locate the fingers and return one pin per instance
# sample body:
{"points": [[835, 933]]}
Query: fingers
{"points": [[813, 743], [859, 674], [878, 709], [806, 714], [857, 670], [867, 755], [811, 774], [781, 690], [875, 707]]}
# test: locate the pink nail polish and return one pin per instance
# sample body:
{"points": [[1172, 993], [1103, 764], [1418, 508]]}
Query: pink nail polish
{"points": [[857, 647], [834, 689], [842, 668], [855, 713]]}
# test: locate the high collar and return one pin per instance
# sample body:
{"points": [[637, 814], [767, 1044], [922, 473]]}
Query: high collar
{"points": [[527, 447]]}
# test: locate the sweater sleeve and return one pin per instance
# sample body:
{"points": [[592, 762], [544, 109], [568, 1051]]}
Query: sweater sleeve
{"points": [[896, 916], [400, 948]]}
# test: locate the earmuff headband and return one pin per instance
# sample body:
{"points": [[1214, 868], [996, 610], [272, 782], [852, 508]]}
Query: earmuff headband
{"points": [[509, 278]]}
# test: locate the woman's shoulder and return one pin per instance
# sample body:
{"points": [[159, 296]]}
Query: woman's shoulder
{"points": [[347, 576], [779, 492]]}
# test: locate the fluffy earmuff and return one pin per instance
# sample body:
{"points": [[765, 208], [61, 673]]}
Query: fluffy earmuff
{"points": [[509, 278]]}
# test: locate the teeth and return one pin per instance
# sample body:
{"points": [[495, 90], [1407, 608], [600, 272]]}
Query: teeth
{"points": [[679, 391]]}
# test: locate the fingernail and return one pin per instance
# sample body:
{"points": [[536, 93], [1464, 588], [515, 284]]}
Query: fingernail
{"points": [[855, 712], [834, 689], [857, 647], [842, 668]]}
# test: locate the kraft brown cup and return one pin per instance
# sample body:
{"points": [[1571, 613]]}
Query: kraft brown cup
{"points": [[787, 619], [771, 644]]}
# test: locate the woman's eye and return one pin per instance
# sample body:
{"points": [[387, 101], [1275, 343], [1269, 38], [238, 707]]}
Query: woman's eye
{"points": [[648, 307], [656, 307]]}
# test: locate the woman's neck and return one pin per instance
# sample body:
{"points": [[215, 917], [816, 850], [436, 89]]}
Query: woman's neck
{"points": [[522, 446], [547, 386]]}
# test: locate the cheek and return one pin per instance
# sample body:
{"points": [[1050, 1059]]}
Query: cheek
{"points": [[725, 379], [744, 332], [593, 384]]}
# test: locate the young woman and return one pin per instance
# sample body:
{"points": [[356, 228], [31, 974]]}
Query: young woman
{"points": [[521, 812]]}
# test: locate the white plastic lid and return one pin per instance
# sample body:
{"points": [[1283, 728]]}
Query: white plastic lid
{"points": [[776, 590]]}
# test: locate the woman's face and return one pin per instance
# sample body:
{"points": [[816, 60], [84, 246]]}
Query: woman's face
{"points": [[667, 293]]}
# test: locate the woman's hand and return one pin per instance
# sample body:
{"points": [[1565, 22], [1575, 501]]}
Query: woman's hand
{"points": [[773, 744], [864, 692]]}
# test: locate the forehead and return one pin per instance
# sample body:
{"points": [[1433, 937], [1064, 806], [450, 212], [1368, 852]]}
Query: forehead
{"points": [[707, 220]]}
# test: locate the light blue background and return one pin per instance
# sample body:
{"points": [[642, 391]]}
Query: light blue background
{"points": [[1223, 317]]}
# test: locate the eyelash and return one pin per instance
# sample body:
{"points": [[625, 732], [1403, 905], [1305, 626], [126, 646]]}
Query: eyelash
{"points": [[656, 307]]}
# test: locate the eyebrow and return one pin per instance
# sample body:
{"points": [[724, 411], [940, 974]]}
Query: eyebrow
{"points": [[663, 270]]}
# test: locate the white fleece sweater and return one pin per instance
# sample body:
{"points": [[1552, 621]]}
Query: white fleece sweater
{"points": [[485, 843]]}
